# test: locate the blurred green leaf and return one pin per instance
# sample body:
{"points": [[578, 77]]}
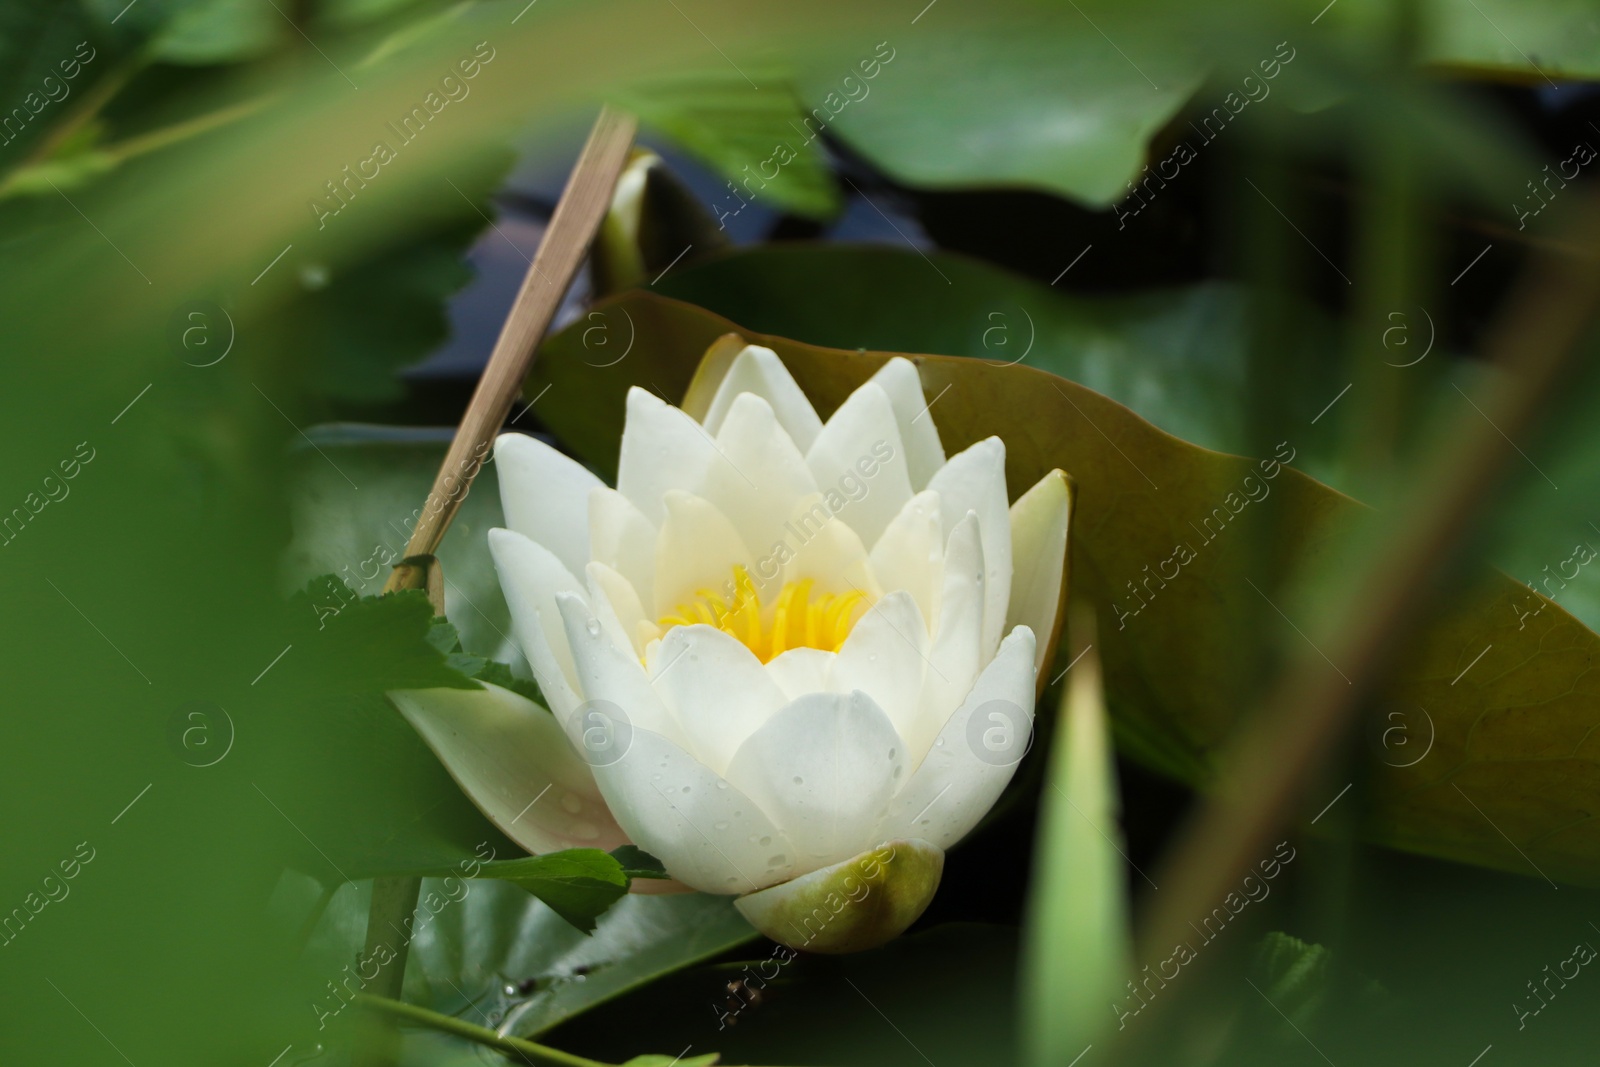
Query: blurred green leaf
{"points": [[1166, 539], [1077, 946], [716, 116], [1175, 356], [1051, 100], [357, 533], [1532, 40], [656, 1059]]}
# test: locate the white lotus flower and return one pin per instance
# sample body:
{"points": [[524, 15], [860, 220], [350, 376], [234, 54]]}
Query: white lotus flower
{"points": [[777, 645]]}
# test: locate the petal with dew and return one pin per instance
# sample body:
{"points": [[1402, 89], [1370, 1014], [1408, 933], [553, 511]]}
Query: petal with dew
{"points": [[616, 604], [885, 657], [615, 688], [825, 769], [716, 688], [975, 755], [707, 833]]}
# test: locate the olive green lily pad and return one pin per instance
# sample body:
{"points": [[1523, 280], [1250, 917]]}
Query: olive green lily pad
{"points": [[1175, 546]]}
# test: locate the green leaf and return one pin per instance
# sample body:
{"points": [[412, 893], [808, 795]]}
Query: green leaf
{"points": [[715, 116], [1293, 974], [1077, 947], [1531, 40], [356, 534], [1039, 98], [357, 789], [656, 1059], [1175, 356], [444, 636], [1164, 538], [498, 933], [199, 33], [637, 863], [578, 884]]}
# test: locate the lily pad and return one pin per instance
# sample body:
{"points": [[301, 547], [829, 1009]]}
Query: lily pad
{"points": [[1174, 545]]}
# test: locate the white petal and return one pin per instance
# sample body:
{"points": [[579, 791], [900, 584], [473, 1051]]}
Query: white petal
{"points": [[545, 496], [759, 370], [623, 539], [761, 486], [832, 556], [924, 453], [662, 449], [695, 554], [801, 670], [885, 657], [616, 604], [707, 833], [717, 688], [860, 464], [975, 480], [975, 755], [824, 768], [510, 757], [956, 656], [1039, 522], [531, 576], [910, 554], [612, 681]]}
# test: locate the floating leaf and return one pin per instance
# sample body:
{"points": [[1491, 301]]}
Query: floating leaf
{"points": [[1169, 543]]}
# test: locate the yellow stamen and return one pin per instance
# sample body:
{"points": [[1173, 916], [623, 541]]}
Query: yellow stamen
{"points": [[796, 619]]}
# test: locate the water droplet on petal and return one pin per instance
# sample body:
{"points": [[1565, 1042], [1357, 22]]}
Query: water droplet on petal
{"points": [[721, 784], [777, 861], [799, 780], [571, 804], [721, 825], [766, 840], [593, 626], [584, 831]]}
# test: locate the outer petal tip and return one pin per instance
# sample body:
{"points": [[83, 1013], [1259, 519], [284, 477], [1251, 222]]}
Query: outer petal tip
{"points": [[858, 904]]}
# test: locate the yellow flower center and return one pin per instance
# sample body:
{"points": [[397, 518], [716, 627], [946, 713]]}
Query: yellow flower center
{"points": [[796, 619]]}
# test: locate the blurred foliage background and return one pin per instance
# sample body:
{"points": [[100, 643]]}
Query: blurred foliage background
{"points": [[214, 284]]}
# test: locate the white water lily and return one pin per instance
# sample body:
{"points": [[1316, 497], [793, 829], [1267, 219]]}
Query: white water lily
{"points": [[777, 644]]}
